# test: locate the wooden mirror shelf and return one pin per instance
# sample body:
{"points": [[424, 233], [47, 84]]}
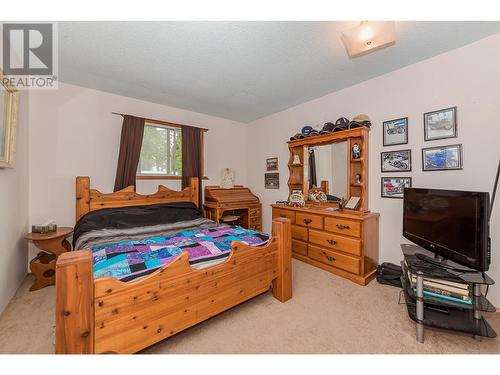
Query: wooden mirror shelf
{"points": [[343, 242], [300, 147]]}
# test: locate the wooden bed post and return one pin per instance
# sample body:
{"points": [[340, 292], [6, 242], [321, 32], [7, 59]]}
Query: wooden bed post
{"points": [[74, 303], [282, 285], [82, 196], [194, 184]]}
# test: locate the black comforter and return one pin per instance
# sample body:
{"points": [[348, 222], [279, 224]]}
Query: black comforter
{"points": [[135, 216]]}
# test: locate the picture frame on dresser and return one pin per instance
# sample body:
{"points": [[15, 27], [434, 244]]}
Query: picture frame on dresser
{"points": [[395, 132], [440, 124], [395, 161], [442, 158]]}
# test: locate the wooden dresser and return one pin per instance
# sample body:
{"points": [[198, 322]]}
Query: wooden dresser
{"points": [[238, 201], [344, 243]]}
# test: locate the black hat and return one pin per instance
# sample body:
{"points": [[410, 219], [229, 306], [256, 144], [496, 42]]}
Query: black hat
{"points": [[327, 128], [341, 124], [297, 136]]}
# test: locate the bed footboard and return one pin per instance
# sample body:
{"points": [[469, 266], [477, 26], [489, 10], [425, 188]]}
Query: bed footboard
{"points": [[109, 316]]}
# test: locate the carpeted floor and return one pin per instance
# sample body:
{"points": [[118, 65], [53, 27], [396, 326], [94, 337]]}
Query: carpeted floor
{"points": [[326, 315]]}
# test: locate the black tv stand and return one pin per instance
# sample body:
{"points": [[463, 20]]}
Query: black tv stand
{"points": [[435, 311], [441, 262]]}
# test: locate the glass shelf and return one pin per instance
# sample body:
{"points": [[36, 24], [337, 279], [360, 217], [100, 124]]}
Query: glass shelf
{"points": [[453, 319], [481, 303], [432, 271]]}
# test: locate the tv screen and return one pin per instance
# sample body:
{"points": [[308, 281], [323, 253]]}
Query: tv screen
{"points": [[452, 224]]}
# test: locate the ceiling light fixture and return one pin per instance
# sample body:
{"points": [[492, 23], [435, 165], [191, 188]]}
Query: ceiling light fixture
{"points": [[368, 37]]}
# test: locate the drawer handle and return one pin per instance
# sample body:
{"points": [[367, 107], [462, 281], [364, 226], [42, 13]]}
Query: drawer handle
{"points": [[331, 242], [307, 221], [342, 227], [282, 215], [329, 257]]}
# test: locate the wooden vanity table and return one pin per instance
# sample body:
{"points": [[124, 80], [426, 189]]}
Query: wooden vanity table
{"points": [[344, 242]]}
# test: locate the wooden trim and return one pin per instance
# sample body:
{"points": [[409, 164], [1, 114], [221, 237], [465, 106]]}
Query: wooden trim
{"points": [[159, 122], [75, 303], [90, 199], [148, 177], [282, 285], [82, 196]]}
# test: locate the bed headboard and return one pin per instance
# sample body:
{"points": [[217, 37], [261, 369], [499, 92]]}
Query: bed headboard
{"points": [[88, 199]]}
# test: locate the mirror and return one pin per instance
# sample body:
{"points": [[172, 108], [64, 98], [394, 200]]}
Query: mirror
{"points": [[8, 116], [327, 169]]}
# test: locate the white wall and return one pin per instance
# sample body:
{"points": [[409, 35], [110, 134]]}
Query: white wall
{"points": [[14, 212], [466, 77], [74, 133]]}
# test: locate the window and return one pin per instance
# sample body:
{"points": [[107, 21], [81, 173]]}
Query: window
{"points": [[161, 152]]}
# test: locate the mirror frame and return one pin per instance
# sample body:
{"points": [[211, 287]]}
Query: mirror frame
{"points": [[9, 113], [357, 165], [306, 171]]}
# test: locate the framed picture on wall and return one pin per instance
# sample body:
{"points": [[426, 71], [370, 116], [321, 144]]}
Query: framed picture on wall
{"points": [[272, 180], [442, 158], [395, 161], [9, 102], [393, 187], [272, 164], [395, 132], [440, 124]]}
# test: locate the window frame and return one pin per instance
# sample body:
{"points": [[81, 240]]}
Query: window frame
{"points": [[140, 176]]}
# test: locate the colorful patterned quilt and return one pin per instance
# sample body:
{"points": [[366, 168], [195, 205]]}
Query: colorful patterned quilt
{"points": [[132, 259]]}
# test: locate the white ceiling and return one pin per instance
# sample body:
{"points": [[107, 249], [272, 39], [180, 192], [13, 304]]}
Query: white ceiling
{"points": [[239, 70]]}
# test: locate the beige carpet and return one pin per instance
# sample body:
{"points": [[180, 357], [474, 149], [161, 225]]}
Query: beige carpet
{"points": [[326, 315]]}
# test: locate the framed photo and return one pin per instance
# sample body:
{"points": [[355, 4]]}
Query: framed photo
{"points": [[395, 132], [272, 180], [440, 124], [442, 158], [272, 164], [395, 161], [393, 187], [9, 101]]}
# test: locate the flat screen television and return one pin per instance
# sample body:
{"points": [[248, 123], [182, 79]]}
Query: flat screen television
{"points": [[452, 224]]}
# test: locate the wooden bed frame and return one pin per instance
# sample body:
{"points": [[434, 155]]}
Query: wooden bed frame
{"points": [[106, 315]]}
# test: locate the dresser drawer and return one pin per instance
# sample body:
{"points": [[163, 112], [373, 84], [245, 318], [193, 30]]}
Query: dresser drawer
{"points": [[332, 241], [309, 220], [342, 226], [333, 258], [284, 213], [299, 247], [299, 233]]}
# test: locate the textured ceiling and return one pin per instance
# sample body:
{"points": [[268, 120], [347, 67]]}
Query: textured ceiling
{"points": [[239, 70]]}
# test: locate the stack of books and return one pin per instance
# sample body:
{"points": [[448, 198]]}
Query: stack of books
{"points": [[443, 289]]}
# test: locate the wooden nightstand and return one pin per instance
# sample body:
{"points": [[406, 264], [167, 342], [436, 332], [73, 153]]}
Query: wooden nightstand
{"points": [[43, 266]]}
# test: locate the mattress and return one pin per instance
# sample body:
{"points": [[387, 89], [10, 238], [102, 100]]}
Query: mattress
{"points": [[132, 259], [131, 242]]}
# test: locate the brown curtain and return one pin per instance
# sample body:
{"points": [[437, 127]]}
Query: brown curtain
{"points": [[312, 170], [130, 151], [191, 156]]}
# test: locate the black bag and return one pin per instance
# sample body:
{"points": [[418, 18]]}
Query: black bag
{"points": [[389, 274]]}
